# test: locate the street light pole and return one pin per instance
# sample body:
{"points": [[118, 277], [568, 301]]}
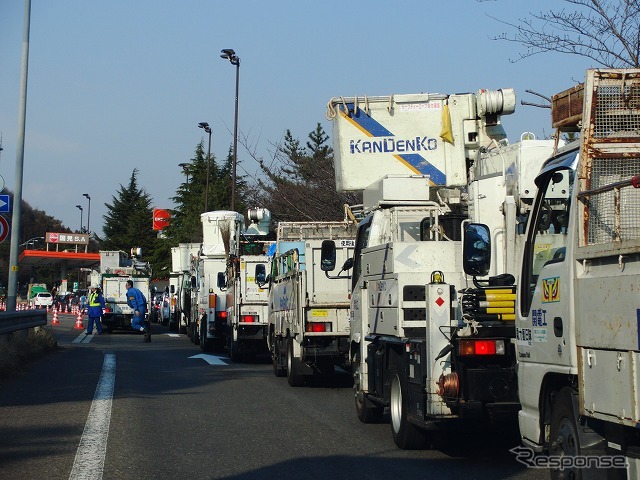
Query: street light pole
{"points": [[80, 207], [230, 54], [185, 170], [207, 129], [88, 211]]}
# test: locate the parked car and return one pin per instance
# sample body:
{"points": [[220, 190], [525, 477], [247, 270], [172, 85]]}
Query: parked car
{"points": [[42, 300]]}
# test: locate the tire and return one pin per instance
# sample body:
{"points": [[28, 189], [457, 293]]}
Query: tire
{"points": [[367, 411], [406, 435], [564, 439], [293, 377], [206, 345], [278, 369], [195, 336], [233, 349]]}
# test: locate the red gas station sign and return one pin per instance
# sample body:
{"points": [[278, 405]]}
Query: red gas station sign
{"points": [[161, 218]]}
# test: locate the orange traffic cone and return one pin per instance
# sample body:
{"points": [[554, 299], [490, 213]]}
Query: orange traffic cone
{"points": [[54, 320], [79, 325]]}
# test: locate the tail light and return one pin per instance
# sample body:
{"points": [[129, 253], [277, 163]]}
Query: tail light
{"points": [[222, 316], [318, 327], [249, 318], [212, 300], [107, 310], [482, 347]]}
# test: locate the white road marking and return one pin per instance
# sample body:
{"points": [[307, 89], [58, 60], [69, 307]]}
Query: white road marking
{"points": [[82, 338], [210, 359], [89, 462]]}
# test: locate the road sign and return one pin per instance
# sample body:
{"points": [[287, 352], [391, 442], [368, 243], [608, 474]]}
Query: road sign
{"points": [[5, 204], [4, 229]]}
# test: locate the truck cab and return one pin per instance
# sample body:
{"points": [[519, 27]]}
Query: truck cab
{"points": [[577, 313]]}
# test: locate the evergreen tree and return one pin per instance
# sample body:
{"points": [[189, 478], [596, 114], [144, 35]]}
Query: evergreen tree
{"points": [[222, 192], [185, 225], [129, 221]]}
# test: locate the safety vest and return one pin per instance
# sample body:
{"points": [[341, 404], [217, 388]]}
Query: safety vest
{"points": [[93, 300]]}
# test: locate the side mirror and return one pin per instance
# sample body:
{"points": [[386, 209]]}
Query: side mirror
{"points": [[328, 256], [348, 264], [261, 274], [193, 282], [172, 289], [222, 280], [476, 250]]}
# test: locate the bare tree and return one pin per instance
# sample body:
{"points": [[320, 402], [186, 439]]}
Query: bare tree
{"points": [[607, 31], [298, 183]]}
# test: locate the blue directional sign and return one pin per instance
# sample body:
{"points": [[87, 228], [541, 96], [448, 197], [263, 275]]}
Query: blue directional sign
{"points": [[5, 204]]}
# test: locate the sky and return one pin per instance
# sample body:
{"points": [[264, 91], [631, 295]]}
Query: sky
{"points": [[122, 85]]}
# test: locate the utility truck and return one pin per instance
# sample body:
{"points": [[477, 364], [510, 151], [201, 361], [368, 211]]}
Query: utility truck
{"points": [[207, 321], [578, 302], [434, 345], [247, 301], [308, 313], [116, 267], [180, 285]]}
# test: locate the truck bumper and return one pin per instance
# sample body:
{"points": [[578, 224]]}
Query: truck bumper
{"points": [[116, 321], [251, 332], [334, 349]]}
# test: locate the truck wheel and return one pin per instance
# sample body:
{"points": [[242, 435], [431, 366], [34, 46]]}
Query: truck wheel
{"points": [[233, 350], [195, 336], [367, 411], [406, 435], [293, 377], [206, 345], [564, 439], [276, 356]]}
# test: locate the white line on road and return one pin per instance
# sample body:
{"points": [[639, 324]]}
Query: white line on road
{"points": [[82, 338], [89, 462]]}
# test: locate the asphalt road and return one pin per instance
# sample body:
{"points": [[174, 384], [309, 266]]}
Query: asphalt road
{"points": [[170, 416]]}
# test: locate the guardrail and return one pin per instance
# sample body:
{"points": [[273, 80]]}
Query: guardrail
{"points": [[13, 321]]}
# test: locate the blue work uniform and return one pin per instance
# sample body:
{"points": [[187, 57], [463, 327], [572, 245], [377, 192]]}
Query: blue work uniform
{"points": [[135, 299]]}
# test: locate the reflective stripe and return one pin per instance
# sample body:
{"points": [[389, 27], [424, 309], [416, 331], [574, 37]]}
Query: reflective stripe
{"points": [[93, 300]]}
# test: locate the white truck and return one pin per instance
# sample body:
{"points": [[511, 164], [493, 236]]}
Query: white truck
{"points": [[115, 269], [433, 345], [308, 312], [179, 285], [207, 321], [578, 303], [247, 302]]}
